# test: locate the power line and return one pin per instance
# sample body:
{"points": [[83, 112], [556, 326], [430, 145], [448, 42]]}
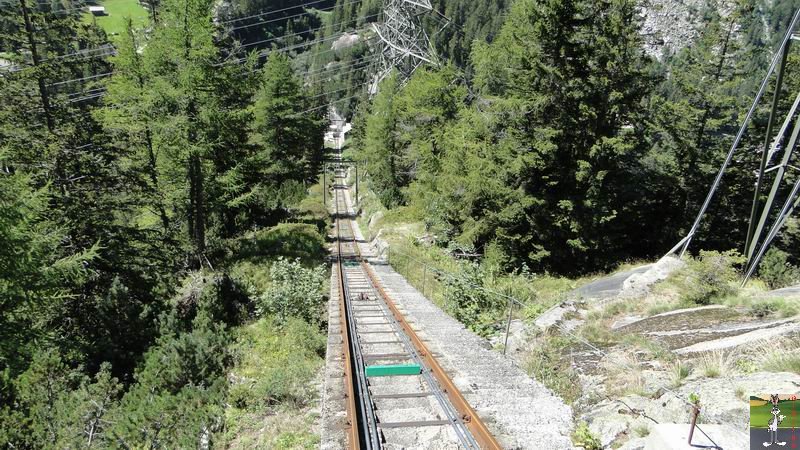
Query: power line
{"points": [[264, 41], [267, 13], [288, 17], [340, 63], [92, 77], [289, 48], [353, 69], [325, 106]]}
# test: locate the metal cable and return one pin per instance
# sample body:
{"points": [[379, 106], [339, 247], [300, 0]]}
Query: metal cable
{"points": [[288, 17], [741, 132], [268, 13]]}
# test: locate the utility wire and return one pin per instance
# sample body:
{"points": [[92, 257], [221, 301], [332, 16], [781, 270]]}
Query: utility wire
{"points": [[287, 18], [352, 62], [286, 49], [268, 13], [312, 30]]}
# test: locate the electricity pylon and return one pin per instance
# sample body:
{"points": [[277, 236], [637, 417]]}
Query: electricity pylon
{"points": [[767, 216], [405, 44]]}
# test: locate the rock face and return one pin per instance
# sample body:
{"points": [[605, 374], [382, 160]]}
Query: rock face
{"points": [[639, 284], [674, 436], [346, 41], [670, 25], [614, 419]]}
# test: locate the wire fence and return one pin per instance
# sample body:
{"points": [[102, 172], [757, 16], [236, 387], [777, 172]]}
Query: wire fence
{"points": [[432, 283]]}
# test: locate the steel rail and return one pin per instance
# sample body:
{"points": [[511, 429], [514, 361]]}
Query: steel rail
{"points": [[350, 397], [480, 432], [362, 424], [467, 424]]}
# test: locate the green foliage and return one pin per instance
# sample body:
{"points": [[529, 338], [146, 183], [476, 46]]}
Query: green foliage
{"points": [[468, 303], [776, 270], [584, 437], [380, 150], [296, 291], [711, 276], [33, 275], [276, 364], [292, 240], [183, 368]]}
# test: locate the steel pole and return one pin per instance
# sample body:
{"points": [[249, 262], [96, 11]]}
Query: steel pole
{"points": [[508, 325], [749, 246], [740, 134]]}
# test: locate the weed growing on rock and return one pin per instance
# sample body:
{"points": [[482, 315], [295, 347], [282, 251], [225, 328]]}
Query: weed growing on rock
{"points": [[678, 372], [714, 364], [583, 437], [547, 364], [781, 358], [624, 373], [641, 430]]}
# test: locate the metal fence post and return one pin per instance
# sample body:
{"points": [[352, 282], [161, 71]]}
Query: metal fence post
{"points": [[508, 324], [424, 277]]}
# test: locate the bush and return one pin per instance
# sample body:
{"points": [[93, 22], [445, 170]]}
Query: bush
{"points": [[276, 364], [711, 276], [776, 271], [292, 240], [296, 291], [583, 437], [470, 305]]}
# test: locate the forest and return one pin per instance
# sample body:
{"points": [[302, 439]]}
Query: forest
{"points": [[156, 219], [560, 145], [162, 233]]}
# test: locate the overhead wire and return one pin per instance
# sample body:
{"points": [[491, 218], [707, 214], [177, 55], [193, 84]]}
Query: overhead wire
{"points": [[287, 18], [267, 13], [312, 30]]}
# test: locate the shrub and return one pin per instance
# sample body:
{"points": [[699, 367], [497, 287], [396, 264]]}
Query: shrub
{"points": [[583, 437], [711, 276], [776, 271], [468, 304], [296, 291], [276, 364]]}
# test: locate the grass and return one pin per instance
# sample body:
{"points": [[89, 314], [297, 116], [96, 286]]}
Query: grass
{"points": [[678, 372], [715, 364], [547, 364], [272, 388], [624, 373], [783, 359], [116, 13], [766, 307]]}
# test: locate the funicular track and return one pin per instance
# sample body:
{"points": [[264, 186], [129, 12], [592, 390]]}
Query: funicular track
{"points": [[390, 375]]}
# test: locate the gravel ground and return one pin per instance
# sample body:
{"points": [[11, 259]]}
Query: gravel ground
{"points": [[519, 411], [333, 402]]}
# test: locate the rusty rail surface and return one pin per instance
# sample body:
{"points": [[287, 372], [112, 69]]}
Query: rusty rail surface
{"points": [[353, 441], [468, 415]]}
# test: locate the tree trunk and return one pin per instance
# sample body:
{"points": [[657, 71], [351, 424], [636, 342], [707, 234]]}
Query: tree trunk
{"points": [[152, 170]]}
